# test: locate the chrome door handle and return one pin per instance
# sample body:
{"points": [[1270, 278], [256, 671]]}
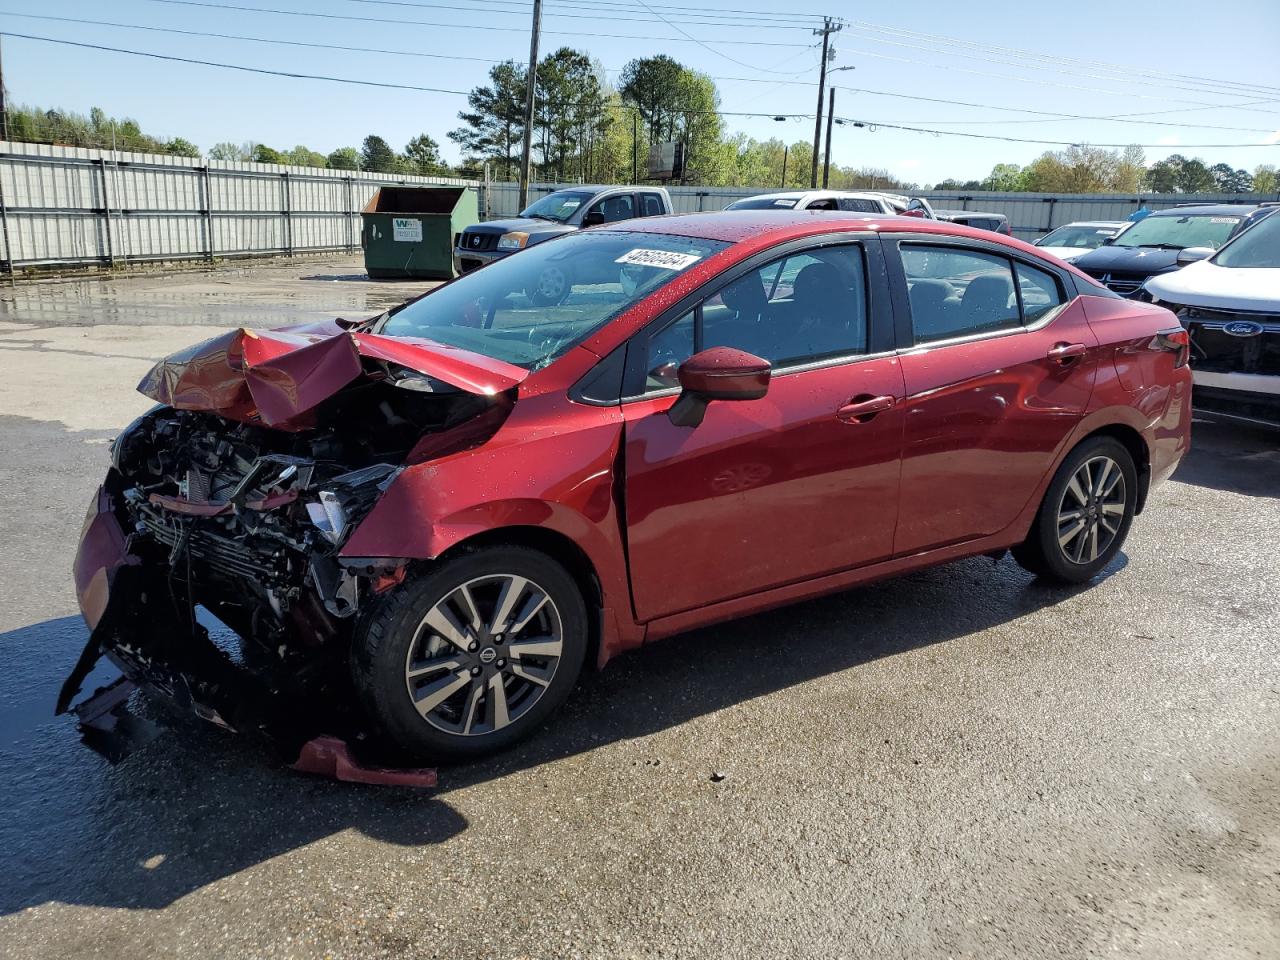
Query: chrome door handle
{"points": [[863, 408], [1066, 352]]}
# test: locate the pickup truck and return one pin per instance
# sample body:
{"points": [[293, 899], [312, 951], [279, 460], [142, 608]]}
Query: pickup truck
{"points": [[555, 215]]}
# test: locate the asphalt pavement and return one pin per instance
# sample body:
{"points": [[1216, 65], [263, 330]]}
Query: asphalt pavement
{"points": [[958, 763]]}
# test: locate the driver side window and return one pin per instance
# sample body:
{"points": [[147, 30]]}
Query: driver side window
{"points": [[804, 307], [614, 209]]}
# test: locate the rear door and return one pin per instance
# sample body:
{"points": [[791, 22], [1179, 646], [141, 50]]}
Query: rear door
{"points": [[777, 490], [999, 363]]}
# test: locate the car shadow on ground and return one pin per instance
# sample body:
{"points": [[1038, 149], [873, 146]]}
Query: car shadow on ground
{"points": [[197, 806], [1231, 456]]}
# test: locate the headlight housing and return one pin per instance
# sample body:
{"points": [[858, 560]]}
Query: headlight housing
{"points": [[512, 241]]}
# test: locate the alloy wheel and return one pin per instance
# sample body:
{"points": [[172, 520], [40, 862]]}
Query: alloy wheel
{"points": [[1092, 510], [484, 654]]}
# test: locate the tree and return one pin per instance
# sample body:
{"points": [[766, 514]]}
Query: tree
{"points": [[1265, 179], [1229, 180], [261, 153], [179, 147], [1130, 170], [494, 123], [652, 85], [227, 151], [376, 155], [344, 158], [1162, 177], [422, 156], [1005, 177], [301, 156]]}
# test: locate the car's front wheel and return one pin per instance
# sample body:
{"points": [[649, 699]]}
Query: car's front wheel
{"points": [[1085, 514], [472, 655]]}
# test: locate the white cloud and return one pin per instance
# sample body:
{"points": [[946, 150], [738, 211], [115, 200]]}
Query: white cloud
{"points": [[1274, 137]]}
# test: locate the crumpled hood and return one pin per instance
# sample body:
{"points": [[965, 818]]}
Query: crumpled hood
{"points": [[1144, 260], [276, 377]]}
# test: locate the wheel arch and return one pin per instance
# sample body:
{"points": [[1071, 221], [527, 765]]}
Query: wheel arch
{"points": [[1133, 441], [564, 551]]}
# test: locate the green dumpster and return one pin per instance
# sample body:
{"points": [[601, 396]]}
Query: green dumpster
{"points": [[409, 231]]}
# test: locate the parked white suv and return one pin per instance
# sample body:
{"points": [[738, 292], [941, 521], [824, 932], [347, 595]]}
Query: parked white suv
{"points": [[1230, 304]]}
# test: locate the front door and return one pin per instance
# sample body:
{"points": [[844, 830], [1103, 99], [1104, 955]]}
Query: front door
{"points": [[999, 368], [773, 491]]}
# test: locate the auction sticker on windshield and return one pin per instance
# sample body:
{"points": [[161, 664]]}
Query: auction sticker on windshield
{"points": [[666, 259]]}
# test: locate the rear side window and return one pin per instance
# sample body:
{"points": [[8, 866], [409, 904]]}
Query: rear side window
{"points": [[957, 293], [617, 208], [827, 203], [856, 205], [651, 205], [1040, 291]]}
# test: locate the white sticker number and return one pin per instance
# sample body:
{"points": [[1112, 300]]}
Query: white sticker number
{"points": [[666, 259]]}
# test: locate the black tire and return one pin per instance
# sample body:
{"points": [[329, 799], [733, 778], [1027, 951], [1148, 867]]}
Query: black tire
{"points": [[553, 286], [1079, 561], [394, 628]]}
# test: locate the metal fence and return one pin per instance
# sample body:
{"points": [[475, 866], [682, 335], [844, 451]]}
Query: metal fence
{"points": [[75, 206], [69, 206], [1030, 215]]}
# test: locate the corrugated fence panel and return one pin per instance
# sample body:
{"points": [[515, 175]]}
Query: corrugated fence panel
{"points": [[79, 205], [65, 205]]}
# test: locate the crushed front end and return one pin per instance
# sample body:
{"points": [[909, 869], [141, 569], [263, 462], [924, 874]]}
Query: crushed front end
{"points": [[212, 508]]}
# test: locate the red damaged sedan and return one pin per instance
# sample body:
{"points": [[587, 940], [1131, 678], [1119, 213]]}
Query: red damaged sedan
{"points": [[432, 519]]}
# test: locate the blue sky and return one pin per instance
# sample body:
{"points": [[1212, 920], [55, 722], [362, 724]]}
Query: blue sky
{"points": [[1142, 60]]}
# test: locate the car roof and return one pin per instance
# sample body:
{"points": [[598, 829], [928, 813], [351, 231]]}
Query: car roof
{"points": [[764, 228], [595, 188], [1092, 223], [1208, 209]]}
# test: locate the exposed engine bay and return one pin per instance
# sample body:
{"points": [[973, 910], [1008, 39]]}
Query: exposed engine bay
{"points": [[216, 510]]}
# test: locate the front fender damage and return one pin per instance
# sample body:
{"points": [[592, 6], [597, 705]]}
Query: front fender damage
{"points": [[140, 621]]}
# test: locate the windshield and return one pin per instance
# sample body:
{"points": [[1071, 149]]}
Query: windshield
{"points": [[1175, 233], [1074, 236], [533, 306], [1259, 246], [763, 203], [558, 206]]}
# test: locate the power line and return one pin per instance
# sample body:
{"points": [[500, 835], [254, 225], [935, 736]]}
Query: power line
{"points": [[365, 83], [1200, 104], [455, 26], [1125, 70], [1073, 71], [692, 38], [1050, 116], [873, 125], [704, 19]]}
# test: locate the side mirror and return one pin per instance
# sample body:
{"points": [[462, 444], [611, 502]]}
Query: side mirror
{"points": [[1193, 254], [1108, 241], [592, 218], [720, 373]]}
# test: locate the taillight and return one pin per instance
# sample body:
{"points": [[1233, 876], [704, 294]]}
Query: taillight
{"points": [[1178, 342]]}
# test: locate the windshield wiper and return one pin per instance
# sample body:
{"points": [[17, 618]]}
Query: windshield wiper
{"points": [[1161, 246], [541, 216]]}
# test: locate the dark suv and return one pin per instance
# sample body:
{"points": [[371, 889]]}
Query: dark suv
{"points": [[555, 215], [1166, 241]]}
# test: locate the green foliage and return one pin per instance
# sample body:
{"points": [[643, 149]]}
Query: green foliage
{"points": [[493, 124], [376, 155], [344, 158], [1230, 180], [227, 151], [422, 157], [1265, 179], [261, 153], [1178, 174]]}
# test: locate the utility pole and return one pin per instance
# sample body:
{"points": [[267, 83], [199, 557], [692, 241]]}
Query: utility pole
{"points": [[527, 149], [4, 105], [785, 150], [828, 28], [831, 115], [635, 145]]}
